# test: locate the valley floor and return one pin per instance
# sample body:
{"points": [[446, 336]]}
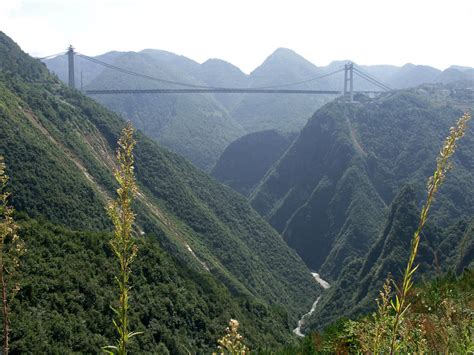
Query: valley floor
{"points": [[324, 284]]}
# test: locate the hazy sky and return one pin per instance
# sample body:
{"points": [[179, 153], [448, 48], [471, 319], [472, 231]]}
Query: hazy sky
{"points": [[244, 32]]}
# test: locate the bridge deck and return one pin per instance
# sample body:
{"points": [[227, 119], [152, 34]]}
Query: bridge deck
{"points": [[221, 91]]}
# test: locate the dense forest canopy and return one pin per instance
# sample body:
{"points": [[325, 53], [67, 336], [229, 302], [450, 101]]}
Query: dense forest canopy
{"points": [[334, 197], [59, 150]]}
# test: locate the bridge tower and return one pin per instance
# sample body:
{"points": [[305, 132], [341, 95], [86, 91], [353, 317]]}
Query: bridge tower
{"points": [[349, 77], [70, 55]]}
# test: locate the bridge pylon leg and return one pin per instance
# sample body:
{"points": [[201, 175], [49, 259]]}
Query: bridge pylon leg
{"points": [[351, 83], [349, 77], [345, 80], [70, 54]]}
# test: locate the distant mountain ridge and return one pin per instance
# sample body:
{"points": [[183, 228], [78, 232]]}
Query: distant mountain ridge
{"points": [[200, 127]]}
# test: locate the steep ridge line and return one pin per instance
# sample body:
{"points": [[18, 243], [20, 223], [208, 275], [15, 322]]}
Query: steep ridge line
{"points": [[38, 125], [169, 225], [104, 156]]}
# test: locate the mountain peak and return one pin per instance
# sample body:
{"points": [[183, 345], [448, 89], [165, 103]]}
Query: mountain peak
{"points": [[284, 59], [220, 64], [285, 54], [284, 51], [170, 57]]}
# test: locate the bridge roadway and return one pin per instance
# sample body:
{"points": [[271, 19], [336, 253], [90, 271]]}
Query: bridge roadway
{"points": [[221, 91]]}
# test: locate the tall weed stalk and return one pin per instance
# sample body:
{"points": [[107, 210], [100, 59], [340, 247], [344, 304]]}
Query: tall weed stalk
{"points": [[232, 342], [11, 248], [443, 164], [123, 246]]}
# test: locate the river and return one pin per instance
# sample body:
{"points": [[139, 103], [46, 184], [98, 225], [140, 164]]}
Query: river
{"points": [[324, 284]]}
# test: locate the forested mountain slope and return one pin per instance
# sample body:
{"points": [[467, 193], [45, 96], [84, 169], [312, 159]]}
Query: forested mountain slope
{"points": [[246, 160], [411, 75], [68, 285], [59, 149], [441, 250], [285, 113], [195, 126], [218, 73], [329, 195], [455, 74]]}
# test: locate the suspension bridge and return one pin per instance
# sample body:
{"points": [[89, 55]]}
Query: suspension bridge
{"points": [[349, 69]]}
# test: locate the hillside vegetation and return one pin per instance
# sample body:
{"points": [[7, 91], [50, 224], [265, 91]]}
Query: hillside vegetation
{"points": [[58, 147], [345, 195], [246, 160], [194, 126], [439, 320], [178, 308]]}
